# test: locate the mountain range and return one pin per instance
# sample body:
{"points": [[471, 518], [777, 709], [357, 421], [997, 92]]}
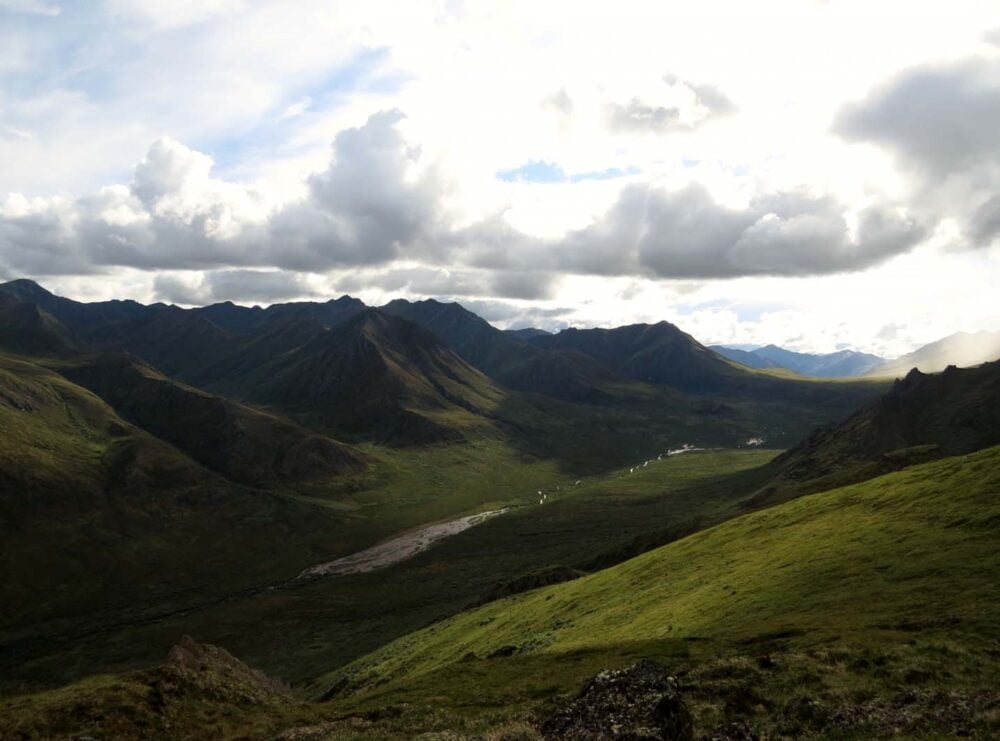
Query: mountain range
{"points": [[960, 349], [605, 494]]}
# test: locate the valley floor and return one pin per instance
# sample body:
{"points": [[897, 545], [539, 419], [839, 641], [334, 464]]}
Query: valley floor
{"points": [[866, 611]]}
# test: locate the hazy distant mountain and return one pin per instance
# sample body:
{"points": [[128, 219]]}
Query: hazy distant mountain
{"points": [[744, 357], [829, 365], [961, 349]]}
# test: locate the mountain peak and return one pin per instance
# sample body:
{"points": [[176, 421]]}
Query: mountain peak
{"points": [[25, 289]]}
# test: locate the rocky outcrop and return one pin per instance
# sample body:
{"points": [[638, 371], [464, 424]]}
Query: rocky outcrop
{"points": [[641, 703]]}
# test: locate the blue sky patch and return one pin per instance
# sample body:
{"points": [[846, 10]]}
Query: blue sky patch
{"points": [[542, 171]]}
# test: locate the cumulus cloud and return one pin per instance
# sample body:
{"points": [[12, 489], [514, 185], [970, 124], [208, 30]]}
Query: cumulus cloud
{"points": [[679, 105], [688, 234], [423, 280], [941, 119], [370, 206], [264, 286], [941, 123], [367, 207], [379, 205]]}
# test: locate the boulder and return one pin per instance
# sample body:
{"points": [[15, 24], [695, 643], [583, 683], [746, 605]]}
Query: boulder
{"points": [[640, 703]]}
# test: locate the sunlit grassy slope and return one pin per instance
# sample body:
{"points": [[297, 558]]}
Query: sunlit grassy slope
{"points": [[871, 564]]}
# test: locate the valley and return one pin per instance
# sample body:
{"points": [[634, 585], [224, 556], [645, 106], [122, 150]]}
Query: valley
{"points": [[378, 504]]}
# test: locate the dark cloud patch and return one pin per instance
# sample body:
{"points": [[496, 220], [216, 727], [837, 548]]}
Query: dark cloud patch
{"points": [[687, 234], [523, 284], [692, 105], [241, 286], [984, 222], [714, 99], [941, 119], [435, 282], [266, 286], [379, 210], [40, 240], [421, 280], [941, 123], [639, 116], [172, 289], [506, 313], [559, 101]]}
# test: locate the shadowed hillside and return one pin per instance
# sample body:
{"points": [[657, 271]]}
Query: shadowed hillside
{"points": [[377, 376], [242, 444], [111, 518], [922, 417]]}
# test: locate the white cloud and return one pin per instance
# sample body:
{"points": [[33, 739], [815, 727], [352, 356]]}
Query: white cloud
{"points": [[728, 161], [31, 7]]}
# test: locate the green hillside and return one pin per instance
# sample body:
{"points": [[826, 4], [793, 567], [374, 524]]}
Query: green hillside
{"points": [[901, 568], [921, 418]]}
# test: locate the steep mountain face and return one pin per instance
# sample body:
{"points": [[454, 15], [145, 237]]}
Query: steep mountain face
{"points": [[839, 364], [921, 417], [375, 375], [961, 349], [25, 329], [744, 357], [244, 445], [506, 358], [658, 353], [178, 342]]}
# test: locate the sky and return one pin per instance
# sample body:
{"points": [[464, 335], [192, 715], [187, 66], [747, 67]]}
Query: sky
{"points": [[819, 175]]}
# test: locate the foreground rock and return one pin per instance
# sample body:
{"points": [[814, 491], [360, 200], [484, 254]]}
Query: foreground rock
{"points": [[639, 703]]}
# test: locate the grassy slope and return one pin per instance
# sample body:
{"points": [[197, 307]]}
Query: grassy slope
{"points": [[870, 565], [302, 631], [112, 520], [868, 611]]}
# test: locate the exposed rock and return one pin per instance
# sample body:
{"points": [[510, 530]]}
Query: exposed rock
{"points": [[217, 672], [641, 702]]}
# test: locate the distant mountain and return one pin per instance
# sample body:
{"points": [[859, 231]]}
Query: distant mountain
{"points": [[744, 357], [654, 353], [527, 333], [374, 375], [831, 365], [74, 314], [505, 357], [176, 341], [961, 349], [250, 320], [920, 418]]}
